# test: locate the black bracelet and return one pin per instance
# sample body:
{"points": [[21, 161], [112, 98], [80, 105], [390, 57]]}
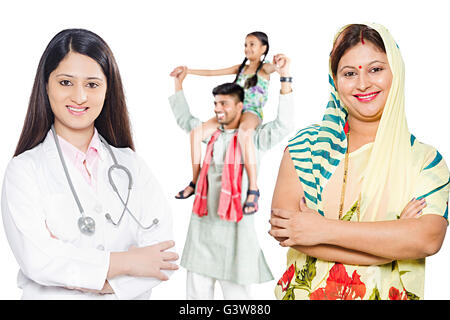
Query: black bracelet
{"points": [[285, 79]]}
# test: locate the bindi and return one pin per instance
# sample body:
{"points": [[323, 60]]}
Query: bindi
{"points": [[360, 67]]}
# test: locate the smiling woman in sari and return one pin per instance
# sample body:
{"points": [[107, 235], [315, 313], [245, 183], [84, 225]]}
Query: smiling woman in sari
{"points": [[358, 199]]}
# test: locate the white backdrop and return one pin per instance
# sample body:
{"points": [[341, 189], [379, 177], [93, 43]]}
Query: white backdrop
{"points": [[149, 40]]}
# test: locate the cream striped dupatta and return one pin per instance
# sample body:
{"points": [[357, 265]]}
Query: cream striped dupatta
{"points": [[398, 166]]}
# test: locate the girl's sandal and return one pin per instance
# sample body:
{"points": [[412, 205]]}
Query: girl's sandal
{"points": [[251, 204], [181, 195]]}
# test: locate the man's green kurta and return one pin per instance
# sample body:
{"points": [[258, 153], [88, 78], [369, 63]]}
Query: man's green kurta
{"points": [[222, 249]]}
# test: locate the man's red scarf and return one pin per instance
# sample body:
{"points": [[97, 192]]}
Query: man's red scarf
{"points": [[230, 207]]}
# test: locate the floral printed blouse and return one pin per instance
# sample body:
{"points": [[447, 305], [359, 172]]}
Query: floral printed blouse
{"points": [[255, 97]]}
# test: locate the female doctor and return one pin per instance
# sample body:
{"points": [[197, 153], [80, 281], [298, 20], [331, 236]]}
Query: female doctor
{"points": [[84, 216]]}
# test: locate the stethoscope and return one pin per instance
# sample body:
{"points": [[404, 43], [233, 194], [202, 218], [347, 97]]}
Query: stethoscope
{"points": [[86, 224]]}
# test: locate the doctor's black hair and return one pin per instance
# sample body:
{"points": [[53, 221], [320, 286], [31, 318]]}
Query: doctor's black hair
{"points": [[252, 81], [112, 123]]}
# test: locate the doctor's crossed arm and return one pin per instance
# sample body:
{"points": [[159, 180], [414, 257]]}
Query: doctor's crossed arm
{"points": [[150, 261]]}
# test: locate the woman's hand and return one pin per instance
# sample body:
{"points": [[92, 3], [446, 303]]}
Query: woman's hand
{"points": [[282, 64], [304, 227], [413, 209], [150, 260], [274, 227]]}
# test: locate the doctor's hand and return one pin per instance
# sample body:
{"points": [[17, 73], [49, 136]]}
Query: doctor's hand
{"points": [[150, 260], [105, 290]]}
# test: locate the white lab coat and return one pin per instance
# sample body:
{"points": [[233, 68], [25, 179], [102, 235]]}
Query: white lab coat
{"points": [[36, 199]]}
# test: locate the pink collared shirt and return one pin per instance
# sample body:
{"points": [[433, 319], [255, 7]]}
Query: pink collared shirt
{"points": [[86, 163]]}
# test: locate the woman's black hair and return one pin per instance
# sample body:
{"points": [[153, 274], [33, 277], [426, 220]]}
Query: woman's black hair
{"points": [[252, 81], [350, 37], [112, 123]]}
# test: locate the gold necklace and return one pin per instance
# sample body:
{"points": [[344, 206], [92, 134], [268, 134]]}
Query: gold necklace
{"points": [[344, 183]]}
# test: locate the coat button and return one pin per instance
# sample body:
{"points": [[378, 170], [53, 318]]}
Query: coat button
{"points": [[100, 247], [98, 208]]}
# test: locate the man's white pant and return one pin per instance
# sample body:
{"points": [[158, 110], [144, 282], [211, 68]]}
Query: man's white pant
{"points": [[199, 287]]}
